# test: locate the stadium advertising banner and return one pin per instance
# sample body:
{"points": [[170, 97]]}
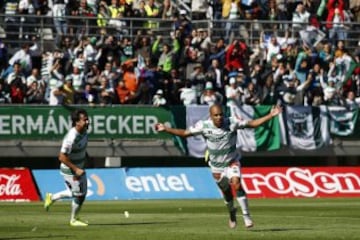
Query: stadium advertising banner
{"points": [[301, 182], [171, 183], [137, 183], [17, 185], [19, 122]]}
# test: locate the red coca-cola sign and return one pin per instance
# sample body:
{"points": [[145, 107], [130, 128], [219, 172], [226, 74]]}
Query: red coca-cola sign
{"points": [[17, 185], [276, 182]]}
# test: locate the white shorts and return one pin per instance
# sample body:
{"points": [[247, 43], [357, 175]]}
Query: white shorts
{"points": [[77, 185], [233, 170]]}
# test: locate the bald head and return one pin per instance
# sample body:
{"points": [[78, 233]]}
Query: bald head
{"points": [[216, 115]]}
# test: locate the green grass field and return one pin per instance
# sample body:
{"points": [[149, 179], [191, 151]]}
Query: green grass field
{"points": [[185, 220]]}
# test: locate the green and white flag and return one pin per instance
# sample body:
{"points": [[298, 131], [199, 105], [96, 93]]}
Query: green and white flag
{"points": [[343, 121], [266, 137], [307, 127]]}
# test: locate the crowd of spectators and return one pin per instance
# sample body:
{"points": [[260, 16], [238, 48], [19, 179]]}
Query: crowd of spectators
{"points": [[309, 65]]}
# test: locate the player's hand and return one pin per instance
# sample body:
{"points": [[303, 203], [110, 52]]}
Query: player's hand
{"points": [[79, 172], [276, 110], [160, 127]]}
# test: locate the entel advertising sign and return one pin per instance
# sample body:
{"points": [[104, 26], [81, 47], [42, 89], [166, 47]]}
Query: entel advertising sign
{"points": [[173, 183], [301, 182], [17, 185], [137, 183]]}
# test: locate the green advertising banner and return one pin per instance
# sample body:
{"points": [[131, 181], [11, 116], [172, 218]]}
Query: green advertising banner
{"points": [[49, 123]]}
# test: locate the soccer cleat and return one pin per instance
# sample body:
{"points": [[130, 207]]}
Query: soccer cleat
{"points": [[247, 221], [78, 223], [48, 201], [232, 220]]}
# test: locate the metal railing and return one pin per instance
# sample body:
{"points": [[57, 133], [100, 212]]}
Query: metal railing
{"points": [[18, 29]]}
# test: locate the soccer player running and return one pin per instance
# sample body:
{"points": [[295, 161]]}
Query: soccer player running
{"points": [[224, 159], [73, 156]]}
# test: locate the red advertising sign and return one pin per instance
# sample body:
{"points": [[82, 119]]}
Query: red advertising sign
{"points": [[274, 182], [17, 185]]}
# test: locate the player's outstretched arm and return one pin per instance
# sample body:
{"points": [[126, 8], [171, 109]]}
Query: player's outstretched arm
{"points": [[276, 110], [160, 127]]}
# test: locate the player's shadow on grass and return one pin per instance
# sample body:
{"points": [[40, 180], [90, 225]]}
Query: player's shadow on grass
{"points": [[37, 237], [129, 224], [279, 229]]}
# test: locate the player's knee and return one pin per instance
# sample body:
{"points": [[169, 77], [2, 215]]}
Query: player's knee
{"points": [[241, 193], [79, 199], [235, 183], [223, 183], [225, 188]]}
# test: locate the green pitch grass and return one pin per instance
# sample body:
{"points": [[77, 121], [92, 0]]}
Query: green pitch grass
{"points": [[184, 220]]}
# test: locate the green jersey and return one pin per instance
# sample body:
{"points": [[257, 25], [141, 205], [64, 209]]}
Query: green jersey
{"points": [[221, 142], [74, 145]]}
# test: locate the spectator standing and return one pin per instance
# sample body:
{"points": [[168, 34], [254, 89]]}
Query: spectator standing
{"points": [[25, 8], [103, 17], [251, 95], [34, 77], [60, 20], [235, 56], [123, 94], [210, 96], [167, 56], [89, 95], [106, 92], [188, 94], [77, 83], [336, 21], [57, 95], [152, 12], [300, 19], [159, 99], [232, 26], [17, 83], [168, 10], [69, 91], [269, 95], [129, 76], [23, 57], [198, 79], [351, 101], [127, 50], [216, 76], [35, 93], [93, 76], [233, 93]]}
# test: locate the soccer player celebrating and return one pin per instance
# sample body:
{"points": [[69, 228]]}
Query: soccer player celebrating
{"points": [[224, 159], [73, 156]]}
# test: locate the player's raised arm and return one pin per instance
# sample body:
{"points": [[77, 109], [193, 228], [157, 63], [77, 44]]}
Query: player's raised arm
{"points": [[160, 127], [276, 110]]}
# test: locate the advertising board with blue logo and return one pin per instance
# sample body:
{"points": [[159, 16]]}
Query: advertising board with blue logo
{"points": [[137, 183]]}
